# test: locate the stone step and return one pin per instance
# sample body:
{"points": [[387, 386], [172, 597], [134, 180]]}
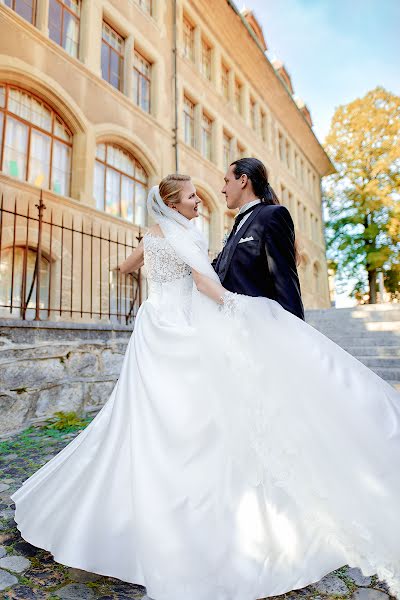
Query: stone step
{"points": [[388, 373], [364, 339], [377, 362], [389, 326], [331, 318], [365, 309], [374, 351]]}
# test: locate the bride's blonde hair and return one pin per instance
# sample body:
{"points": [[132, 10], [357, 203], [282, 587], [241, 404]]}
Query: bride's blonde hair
{"points": [[171, 186]]}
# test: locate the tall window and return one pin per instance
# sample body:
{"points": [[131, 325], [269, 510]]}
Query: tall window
{"points": [[112, 56], [238, 97], [120, 186], [64, 18], [225, 81], [141, 82], [188, 40], [203, 220], [37, 144], [25, 8], [281, 144], [227, 150], [188, 121], [14, 289], [206, 136], [264, 126], [253, 115], [288, 155], [206, 60]]}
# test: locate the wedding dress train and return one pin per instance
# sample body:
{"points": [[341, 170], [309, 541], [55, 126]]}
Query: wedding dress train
{"points": [[237, 457]]}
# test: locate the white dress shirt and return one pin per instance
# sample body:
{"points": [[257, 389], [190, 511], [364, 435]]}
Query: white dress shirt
{"points": [[245, 207]]}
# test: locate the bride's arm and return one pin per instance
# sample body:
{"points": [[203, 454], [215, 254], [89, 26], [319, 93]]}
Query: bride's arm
{"points": [[209, 287], [134, 261]]}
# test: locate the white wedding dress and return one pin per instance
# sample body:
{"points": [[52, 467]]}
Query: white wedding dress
{"points": [[236, 458]]}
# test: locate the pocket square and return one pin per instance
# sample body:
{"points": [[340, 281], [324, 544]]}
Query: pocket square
{"points": [[248, 239]]}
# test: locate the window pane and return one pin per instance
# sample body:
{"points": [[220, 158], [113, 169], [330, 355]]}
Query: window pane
{"points": [[61, 131], [25, 9], [70, 34], [140, 174], [2, 96], [61, 168], [115, 69], [74, 5], [112, 192], [15, 148], [140, 205], [55, 18], [99, 185], [127, 198], [39, 160], [105, 57], [101, 151]]}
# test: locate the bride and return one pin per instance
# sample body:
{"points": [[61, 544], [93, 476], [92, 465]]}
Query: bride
{"points": [[241, 454]]}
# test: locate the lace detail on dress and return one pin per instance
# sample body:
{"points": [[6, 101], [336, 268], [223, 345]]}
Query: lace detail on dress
{"points": [[161, 261], [231, 304]]}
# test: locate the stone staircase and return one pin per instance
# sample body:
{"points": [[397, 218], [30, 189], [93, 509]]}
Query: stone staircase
{"points": [[371, 333]]}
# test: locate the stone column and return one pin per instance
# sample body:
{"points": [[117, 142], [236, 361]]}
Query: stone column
{"points": [[42, 17], [246, 102], [218, 154], [91, 35], [197, 48], [83, 160], [128, 67], [216, 69]]}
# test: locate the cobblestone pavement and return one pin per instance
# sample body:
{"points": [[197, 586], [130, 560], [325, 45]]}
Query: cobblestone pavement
{"points": [[27, 572]]}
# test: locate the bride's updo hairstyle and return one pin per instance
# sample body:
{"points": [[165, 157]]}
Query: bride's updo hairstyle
{"points": [[171, 186], [258, 175]]}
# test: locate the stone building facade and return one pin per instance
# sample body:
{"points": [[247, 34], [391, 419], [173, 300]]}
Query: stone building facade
{"points": [[100, 99]]}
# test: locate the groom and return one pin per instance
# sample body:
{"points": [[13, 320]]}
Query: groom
{"points": [[259, 256]]}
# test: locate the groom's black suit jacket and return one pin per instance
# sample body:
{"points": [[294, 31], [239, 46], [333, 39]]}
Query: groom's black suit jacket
{"points": [[264, 266]]}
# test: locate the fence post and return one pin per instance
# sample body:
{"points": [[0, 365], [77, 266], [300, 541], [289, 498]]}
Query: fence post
{"points": [[40, 208]]}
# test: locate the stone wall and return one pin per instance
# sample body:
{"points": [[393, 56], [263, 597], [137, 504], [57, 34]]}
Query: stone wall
{"points": [[46, 367]]}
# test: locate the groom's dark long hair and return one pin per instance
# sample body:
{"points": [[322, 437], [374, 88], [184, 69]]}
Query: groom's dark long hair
{"points": [[258, 175]]}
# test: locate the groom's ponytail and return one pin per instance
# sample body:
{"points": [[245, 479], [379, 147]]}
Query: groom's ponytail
{"points": [[257, 173]]}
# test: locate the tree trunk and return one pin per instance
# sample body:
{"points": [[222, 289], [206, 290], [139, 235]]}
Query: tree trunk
{"points": [[372, 286]]}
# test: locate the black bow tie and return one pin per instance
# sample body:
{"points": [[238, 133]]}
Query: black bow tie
{"points": [[240, 216]]}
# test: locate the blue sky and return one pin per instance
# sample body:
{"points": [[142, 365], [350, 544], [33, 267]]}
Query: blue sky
{"points": [[334, 50]]}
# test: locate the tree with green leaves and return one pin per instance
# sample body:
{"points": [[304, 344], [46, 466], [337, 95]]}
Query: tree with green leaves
{"points": [[362, 198]]}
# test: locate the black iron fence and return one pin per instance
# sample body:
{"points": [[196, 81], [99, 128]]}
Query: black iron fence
{"points": [[58, 264]]}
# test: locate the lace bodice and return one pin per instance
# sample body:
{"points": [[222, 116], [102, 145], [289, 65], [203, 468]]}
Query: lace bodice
{"points": [[161, 261]]}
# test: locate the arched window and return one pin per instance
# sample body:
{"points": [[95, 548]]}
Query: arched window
{"points": [[36, 144], [120, 185], [204, 219], [14, 288]]}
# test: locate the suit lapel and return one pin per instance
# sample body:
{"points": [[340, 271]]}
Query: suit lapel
{"points": [[238, 235]]}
